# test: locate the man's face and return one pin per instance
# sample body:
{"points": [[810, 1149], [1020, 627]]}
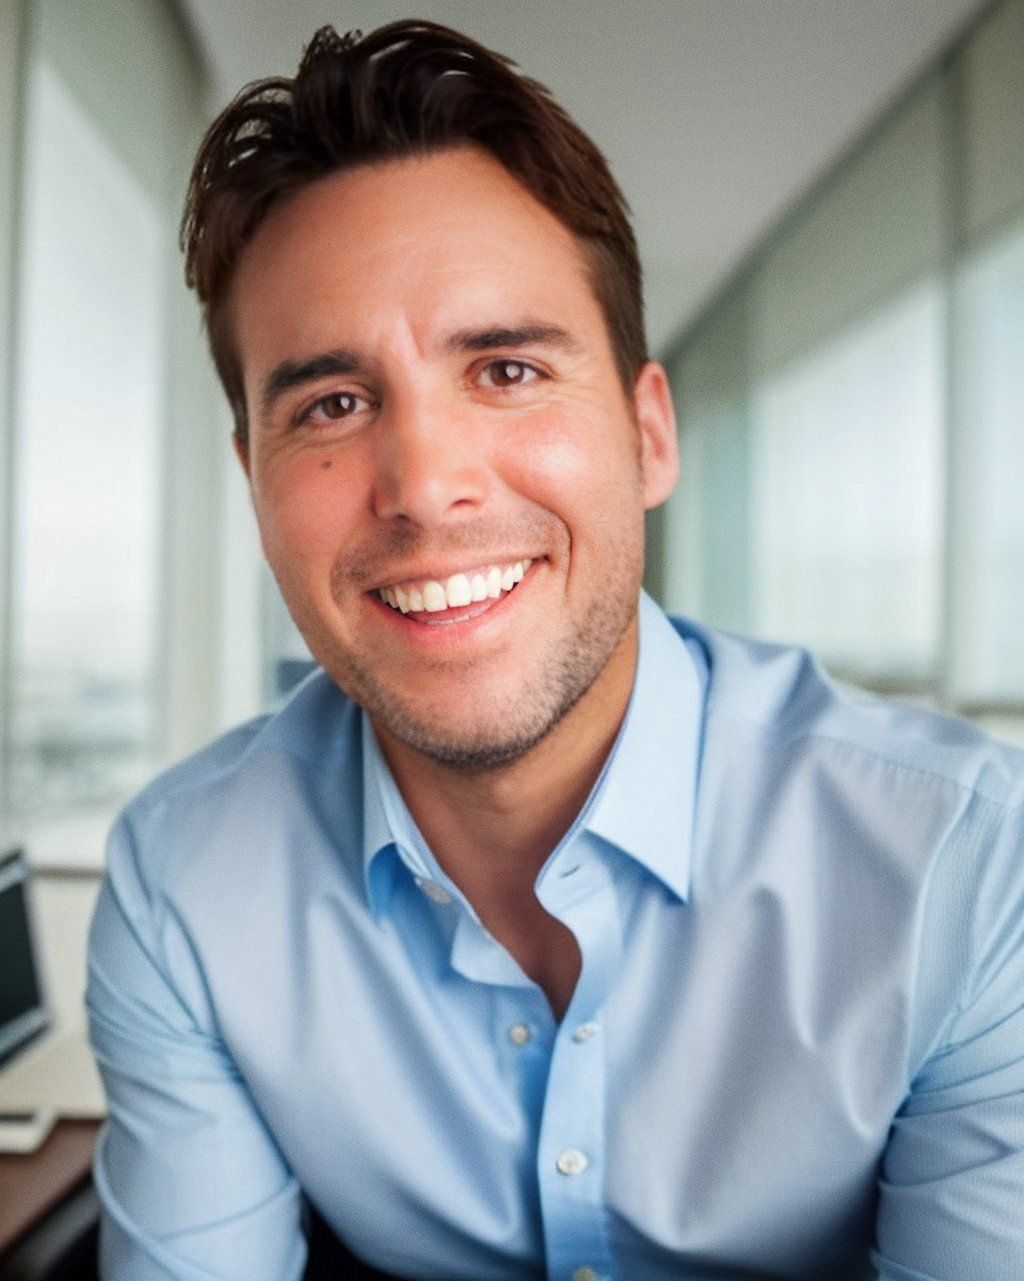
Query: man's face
{"points": [[434, 411]]}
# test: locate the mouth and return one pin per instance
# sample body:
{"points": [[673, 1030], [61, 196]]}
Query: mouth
{"points": [[458, 597]]}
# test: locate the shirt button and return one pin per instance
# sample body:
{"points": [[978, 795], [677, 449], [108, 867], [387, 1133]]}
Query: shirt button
{"points": [[585, 1274], [583, 1033], [572, 1161], [434, 891], [519, 1034]]}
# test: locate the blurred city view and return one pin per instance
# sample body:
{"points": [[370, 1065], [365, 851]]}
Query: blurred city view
{"points": [[79, 741]]}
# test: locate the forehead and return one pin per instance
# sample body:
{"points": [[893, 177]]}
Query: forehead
{"points": [[442, 240]]}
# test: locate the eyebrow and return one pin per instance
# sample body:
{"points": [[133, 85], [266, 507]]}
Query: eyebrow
{"points": [[295, 373], [511, 336]]}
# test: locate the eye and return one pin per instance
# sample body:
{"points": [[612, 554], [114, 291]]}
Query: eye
{"points": [[339, 404], [333, 407], [508, 373]]}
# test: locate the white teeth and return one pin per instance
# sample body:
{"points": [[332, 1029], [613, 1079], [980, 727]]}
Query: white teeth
{"points": [[457, 591]]}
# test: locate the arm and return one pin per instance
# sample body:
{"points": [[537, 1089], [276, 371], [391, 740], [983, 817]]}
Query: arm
{"points": [[192, 1185], [952, 1187]]}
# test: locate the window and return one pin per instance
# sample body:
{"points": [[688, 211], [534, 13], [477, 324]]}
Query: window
{"points": [[989, 653], [853, 405], [111, 439], [87, 451], [847, 491]]}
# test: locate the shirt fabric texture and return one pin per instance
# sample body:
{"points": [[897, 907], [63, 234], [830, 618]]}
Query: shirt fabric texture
{"points": [[796, 1048]]}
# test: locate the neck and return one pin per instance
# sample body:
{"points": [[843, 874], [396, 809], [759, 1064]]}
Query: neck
{"points": [[519, 810]]}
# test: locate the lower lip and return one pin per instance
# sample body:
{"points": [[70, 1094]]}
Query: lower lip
{"points": [[449, 627]]}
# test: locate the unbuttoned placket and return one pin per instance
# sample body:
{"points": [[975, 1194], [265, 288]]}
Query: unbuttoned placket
{"points": [[571, 1157], [561, 1070]]}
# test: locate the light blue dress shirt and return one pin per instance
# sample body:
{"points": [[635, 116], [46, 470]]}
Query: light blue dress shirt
{"points": [[796, 1049]]}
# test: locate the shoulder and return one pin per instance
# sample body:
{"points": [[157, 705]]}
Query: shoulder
{"points": [[778, 696], [222, 803], [898, 830]]}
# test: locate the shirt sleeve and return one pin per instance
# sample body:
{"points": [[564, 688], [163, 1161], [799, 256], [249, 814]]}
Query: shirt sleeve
{"points": [[192, 1185], [952, 1182]]}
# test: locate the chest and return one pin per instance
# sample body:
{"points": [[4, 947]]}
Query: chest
{"points": [[544, 948], [731, 1099]]}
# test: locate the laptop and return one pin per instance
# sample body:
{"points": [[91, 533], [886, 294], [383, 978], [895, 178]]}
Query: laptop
{"points": [[44, 1068]]}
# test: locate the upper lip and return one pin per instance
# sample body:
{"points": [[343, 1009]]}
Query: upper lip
{"points": [[473, 566]]}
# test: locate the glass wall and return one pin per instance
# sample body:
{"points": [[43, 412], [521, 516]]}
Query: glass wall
{"points": [[852, 414], [87, 509], [846, 538], [110, 401], [989, 657]]}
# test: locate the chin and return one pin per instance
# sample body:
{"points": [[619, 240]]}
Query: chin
{"points": [[478, 723], [471, 746]]}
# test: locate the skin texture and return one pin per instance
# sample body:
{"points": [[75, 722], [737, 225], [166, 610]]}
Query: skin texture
{"points": [[440, 444]]}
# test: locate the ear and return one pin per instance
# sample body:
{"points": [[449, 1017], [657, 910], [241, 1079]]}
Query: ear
{"points": [[659, 442], [241, 445]]}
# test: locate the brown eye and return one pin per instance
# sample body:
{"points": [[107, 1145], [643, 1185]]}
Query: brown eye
{"points": [[508, 373], [334, 407], [339, 405]]}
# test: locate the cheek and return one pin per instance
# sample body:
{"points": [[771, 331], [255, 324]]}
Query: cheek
{"points": [[582, 469], [306, 507]]}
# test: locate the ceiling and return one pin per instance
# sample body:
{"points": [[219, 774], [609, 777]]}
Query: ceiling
{"points": [[716, 115]]}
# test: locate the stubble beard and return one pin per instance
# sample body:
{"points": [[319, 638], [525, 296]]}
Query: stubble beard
{"points": [[551, 687], [518, 723]]}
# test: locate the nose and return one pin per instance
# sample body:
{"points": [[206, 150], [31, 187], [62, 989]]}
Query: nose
{"points": [[431, 465]]}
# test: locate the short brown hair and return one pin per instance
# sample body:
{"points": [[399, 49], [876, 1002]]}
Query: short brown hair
{"points": [[408, 88]]}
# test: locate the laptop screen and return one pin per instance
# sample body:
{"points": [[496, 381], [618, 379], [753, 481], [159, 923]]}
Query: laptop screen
{"points": [[22, 1011]]}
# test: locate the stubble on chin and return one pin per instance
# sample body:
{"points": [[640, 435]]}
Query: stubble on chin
{"points": [[508, 729], [512, 728], [553, 680], [505, 730]]}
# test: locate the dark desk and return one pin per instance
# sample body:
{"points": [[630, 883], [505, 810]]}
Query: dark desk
{"points": [[36, 1189]]}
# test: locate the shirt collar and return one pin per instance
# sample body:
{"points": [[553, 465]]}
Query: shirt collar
{"points": [[643, 802], [646, 800], [387, 823]]}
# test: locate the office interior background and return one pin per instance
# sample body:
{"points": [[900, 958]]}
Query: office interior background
{"points": [[830, 205]]}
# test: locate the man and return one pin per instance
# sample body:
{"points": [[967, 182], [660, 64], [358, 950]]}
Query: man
{"points": [[538, 935]]}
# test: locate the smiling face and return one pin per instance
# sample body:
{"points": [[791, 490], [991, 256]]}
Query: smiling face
{"points": [[448, 476]]}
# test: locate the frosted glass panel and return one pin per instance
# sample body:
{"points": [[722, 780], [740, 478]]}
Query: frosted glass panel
{"points": [[990, 633], [847, 493], [875, 228], [707, 521], [88, 442]]}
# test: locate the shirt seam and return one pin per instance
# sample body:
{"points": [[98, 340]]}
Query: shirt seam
{"points": [[883, 758]]}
